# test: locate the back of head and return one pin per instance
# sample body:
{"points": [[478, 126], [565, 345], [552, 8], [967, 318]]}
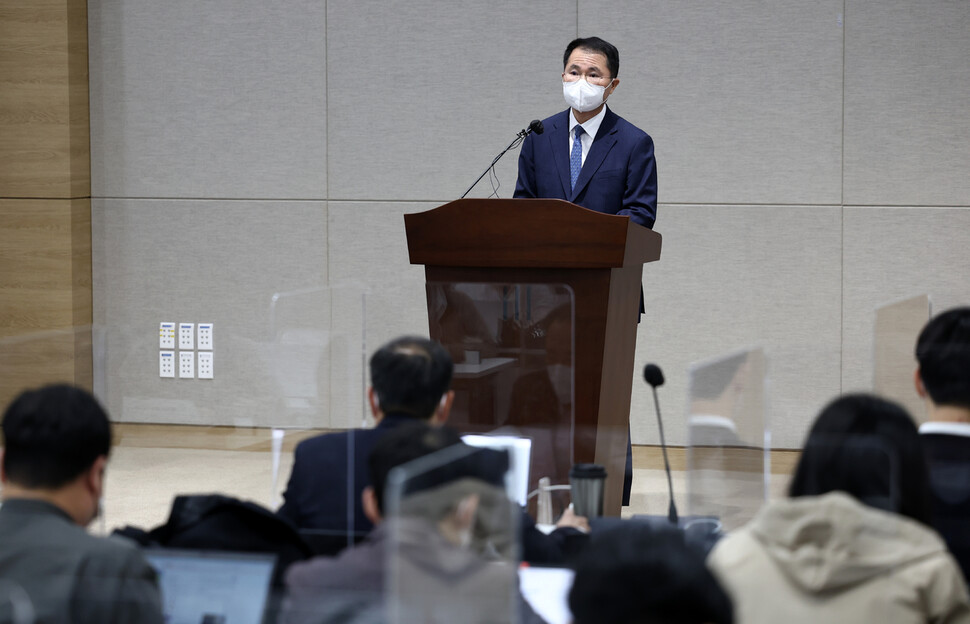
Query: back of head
{"points": [[634, 574], [52, 435], [943, 353], [413, 441], [410, 375], [404, 444], [869, 448]]}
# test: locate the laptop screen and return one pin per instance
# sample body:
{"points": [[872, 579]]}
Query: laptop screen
{"points": [[209, 587], [520, 454]]}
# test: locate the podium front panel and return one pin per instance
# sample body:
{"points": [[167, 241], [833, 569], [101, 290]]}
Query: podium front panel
{"points": [[513, 345]]}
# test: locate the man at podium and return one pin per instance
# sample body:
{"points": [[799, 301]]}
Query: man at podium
{"points": [[588, 154], [591, 156]]}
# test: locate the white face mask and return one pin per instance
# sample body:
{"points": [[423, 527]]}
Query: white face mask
{"points": [[582, 96]]}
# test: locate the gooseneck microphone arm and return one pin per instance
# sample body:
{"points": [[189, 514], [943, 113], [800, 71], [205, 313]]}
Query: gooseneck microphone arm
{"points": [[534, 126], [655, 377]]}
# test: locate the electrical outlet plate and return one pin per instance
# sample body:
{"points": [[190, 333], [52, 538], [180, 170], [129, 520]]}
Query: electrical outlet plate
{"points": [[186, 364], [205, 336], [205, 364], [166, 335], [166, 363], [187, 336]]}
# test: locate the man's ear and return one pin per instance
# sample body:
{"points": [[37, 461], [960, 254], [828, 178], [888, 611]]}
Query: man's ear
{"points": [[466, 510], [443, 411], [94, 477], [368, 499], [375, 404], [918, 382]]}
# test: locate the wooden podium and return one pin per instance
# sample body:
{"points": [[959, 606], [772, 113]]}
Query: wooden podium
{"points": [[535, 266]]}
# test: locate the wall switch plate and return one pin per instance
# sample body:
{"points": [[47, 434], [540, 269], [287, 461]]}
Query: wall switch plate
{"points": [[166, 335], [166, 363], [205, 364], [186, 364], [186, 335], [205, 337]]}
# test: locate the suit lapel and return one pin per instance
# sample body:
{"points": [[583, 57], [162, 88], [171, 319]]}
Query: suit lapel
{"points": [[602, 144], [560, 149]]}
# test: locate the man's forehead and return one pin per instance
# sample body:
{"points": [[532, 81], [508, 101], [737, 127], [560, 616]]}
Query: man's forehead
{"points": [[587, 58]]}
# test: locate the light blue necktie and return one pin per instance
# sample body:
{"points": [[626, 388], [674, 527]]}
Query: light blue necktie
{"points": [[576, 157]]}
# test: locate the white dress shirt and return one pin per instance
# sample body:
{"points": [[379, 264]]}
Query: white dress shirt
{"points": [[590, 127]]}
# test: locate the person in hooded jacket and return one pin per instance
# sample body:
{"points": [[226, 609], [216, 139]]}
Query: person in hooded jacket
{"points": [[852, 543]]}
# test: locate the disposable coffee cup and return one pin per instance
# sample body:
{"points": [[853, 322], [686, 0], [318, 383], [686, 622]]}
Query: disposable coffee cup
{"points": [[587, 483]]}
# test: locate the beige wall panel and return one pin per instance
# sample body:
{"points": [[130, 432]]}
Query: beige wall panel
{"points": [[219, 262], [907, 88], [733, 277], [893, 254], [215, 99], [421, 97], [45, 297], [43, 99], [743, 99]]}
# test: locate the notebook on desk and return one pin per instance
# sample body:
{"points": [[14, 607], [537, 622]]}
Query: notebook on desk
{"points": [[212, 587]]}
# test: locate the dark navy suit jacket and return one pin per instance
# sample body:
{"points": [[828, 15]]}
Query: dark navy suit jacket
{"points": [[329, 474], [618, 177]]}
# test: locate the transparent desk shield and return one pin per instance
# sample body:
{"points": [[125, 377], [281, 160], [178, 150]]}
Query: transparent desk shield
{"points": [[451, 536], [513, 346], [728, 438], [180, 433], [897, 326]]}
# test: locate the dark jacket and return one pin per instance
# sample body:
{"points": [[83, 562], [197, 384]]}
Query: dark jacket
{"points": [[69, 576]]}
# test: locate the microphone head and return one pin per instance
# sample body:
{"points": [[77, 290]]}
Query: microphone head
{"points": [[536, 126], [653, 375]]}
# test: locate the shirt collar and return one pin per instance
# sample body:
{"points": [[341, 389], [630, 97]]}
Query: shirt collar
{"points": [[591, 126], [946, 428]]}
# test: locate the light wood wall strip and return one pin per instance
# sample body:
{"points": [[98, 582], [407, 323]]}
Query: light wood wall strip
{"points": [[45, 293]]}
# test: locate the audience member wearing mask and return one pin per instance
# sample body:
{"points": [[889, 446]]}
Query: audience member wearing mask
{"points": [[56, 445], [852, 543]]}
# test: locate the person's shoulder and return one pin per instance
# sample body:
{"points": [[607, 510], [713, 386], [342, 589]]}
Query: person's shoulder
{"points": [[625, 127], [332, 440]]}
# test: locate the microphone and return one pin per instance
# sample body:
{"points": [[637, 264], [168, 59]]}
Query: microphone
{"points": [[655, 377], [534, 126]]}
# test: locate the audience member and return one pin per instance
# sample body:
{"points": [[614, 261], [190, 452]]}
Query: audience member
{"points": [[426, 538], [635, 574], [851, 544], [410, 377], [943, 380], [57, 441]]}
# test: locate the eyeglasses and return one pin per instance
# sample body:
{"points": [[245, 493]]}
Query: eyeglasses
{"points": [[595, 79]]}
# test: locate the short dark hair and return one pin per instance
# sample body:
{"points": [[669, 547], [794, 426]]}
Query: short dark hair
{"points": [[411, 441], [595, 44], [943, 353], [869, 448], [635, 574], [410, 375], [52, 435]]}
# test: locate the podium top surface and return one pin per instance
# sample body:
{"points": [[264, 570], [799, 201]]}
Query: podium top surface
{"points": [[540, 233]]}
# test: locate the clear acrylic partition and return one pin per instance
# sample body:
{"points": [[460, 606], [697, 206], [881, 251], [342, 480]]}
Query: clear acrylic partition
{"points": [[452, 539], [897, 325], [513, 346], [728, 438], [299, 373]]}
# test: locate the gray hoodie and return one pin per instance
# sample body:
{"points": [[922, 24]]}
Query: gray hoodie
{"points": [[832, 559]]}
